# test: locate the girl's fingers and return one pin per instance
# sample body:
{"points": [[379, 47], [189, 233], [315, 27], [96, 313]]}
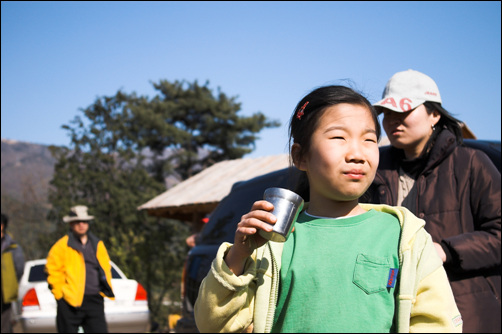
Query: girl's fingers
{"points": [[246, 234], [259, 218], [247, 230], [262, 205], [260, 221], [260, 211]]}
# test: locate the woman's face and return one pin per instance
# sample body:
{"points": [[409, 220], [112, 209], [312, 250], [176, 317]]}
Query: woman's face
{"points": [[409, 130], [343, 156]]}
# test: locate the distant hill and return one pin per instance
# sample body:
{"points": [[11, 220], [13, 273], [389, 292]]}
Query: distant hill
{"points": [[26, 171]]}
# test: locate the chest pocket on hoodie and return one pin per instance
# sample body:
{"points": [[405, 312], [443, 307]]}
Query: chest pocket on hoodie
{"points": [[370, 273]]}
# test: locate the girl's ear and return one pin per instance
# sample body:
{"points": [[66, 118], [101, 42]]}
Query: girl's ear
{"points": [[298, 159]]}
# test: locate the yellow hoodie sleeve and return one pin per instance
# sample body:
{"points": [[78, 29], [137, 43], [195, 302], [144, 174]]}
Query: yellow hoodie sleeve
{"points": [[434, 309], [225, 302]]}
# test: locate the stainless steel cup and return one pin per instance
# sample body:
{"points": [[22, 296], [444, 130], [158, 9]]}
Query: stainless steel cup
{"points": [[287, 207]]}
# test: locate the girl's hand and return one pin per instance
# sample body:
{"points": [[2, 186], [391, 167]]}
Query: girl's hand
{"points": [[247, 238], [440, 252]]}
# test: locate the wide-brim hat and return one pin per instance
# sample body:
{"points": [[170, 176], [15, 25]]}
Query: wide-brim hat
{"points": [[77, 213], [407, 90]]}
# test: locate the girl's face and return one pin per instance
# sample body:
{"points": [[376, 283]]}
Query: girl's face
{"points": [[343, 156], [409, 130]]}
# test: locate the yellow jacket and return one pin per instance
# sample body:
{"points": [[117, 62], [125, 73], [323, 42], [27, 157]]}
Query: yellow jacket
{"points": [[12, 268], [425, 302], [65, 268]]}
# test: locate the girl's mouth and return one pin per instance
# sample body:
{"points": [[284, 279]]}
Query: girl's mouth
{"points": [[355, 174]]}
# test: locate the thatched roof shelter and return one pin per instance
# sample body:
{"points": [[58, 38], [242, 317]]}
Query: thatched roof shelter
{"points": [[197, 196]]}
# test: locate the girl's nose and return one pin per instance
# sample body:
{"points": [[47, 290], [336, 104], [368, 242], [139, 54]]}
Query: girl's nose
{"points": [[355, 153]]}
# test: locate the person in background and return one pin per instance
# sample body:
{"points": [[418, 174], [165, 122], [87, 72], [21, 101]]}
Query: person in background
{"points": [[192, 239], [347, 266], [455, 189], [78, 256], [12, 270]]}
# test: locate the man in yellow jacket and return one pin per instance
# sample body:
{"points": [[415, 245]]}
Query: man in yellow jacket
{"points": [[79, 276]]}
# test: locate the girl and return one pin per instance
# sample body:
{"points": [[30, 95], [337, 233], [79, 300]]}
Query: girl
{"points": [[347, 267]]}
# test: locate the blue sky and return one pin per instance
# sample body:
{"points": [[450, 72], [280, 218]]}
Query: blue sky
{"points": [[58, 57]]}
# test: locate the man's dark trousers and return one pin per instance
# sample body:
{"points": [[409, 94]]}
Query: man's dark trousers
{"points": [[91, 316]]}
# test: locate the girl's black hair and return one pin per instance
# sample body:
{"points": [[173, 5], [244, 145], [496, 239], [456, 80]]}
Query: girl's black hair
{"points": [[301, 127], [309, 110]]}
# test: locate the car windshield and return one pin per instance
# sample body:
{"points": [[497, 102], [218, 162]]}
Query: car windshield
{"points": [[37, 273]]}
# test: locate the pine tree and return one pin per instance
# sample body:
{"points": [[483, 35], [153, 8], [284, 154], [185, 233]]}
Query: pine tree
{"points": [[120, 155]]}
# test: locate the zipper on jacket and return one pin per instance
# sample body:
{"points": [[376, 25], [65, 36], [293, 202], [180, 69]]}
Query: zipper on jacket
{"points": [[272, 303]]}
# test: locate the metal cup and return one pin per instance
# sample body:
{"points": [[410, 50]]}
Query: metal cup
{"points": [[287, 207]]}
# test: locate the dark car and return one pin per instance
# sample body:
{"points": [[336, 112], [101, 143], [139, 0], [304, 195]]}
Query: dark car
{"points": [[490, 147], [223, 223]]}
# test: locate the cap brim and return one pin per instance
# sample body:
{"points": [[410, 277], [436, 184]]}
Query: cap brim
{"points": [[68, 219], [398, 104]]}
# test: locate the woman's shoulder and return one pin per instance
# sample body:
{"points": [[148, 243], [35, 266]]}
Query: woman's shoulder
{"points": [[469, 157]]}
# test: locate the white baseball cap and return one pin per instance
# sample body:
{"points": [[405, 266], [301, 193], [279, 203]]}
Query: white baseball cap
{"points": [[407, 90]]}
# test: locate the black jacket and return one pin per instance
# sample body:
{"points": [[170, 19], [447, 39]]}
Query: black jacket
{"points": [[458, 195]]}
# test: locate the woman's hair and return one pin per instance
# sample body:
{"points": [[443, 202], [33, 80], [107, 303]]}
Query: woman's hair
{"points": [[309, 110], [447, 121]]}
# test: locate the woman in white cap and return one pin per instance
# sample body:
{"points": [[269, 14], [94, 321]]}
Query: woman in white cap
{"points": [[455, 189]]}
